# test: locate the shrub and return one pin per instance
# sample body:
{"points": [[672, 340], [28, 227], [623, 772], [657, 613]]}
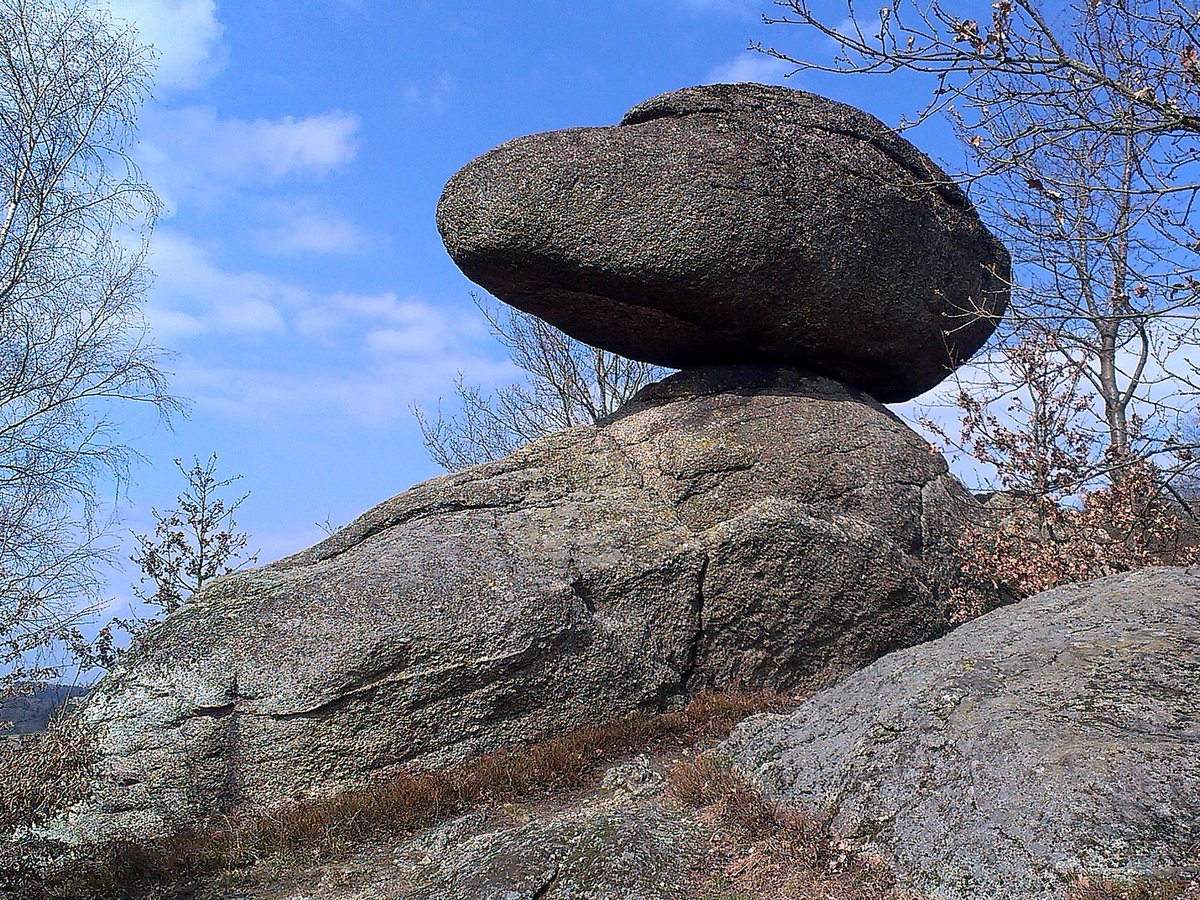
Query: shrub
{"points": [[1034, 543], [42, 773]]}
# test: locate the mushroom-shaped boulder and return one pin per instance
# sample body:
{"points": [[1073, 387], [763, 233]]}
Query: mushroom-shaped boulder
{"points": [[733, 224]]}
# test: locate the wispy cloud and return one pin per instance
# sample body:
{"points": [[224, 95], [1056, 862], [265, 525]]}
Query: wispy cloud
{"points": [[377, 395], [253, 345], [301, 229], [751, 66], [304, 384], [193, 154], [186, 34], [389, 324], [192, 296], [434, 95]]}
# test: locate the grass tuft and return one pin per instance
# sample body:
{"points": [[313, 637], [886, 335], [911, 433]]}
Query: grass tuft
{"points": [[772, 851]]}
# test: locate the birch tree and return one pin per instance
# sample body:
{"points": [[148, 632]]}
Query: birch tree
{"points": [[74, 217]]}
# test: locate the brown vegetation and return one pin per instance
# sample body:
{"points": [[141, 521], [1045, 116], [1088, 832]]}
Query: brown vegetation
{"points": [[1041, 542], [403, 802], [1136, 889], [41, 773], [765, 850]]}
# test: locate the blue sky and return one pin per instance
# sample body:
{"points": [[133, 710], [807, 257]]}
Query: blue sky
{"points": [[300, 146]]}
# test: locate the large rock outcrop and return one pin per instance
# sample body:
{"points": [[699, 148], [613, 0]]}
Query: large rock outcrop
{"points": [[748, 525], [1055, 737], [734, 224]]}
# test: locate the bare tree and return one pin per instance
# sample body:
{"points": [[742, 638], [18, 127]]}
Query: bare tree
{"points": [[1081, 125], [72, 341], [194, 542], [1105, 285], [1082, 130], [1025, 56], [569, 383]]}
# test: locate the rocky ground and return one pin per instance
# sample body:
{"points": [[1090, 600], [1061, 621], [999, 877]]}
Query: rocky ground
{"points": [[757, 520], [630, 837], [1056, 737], [1054, 740], [1048, 750], [560, 848]]}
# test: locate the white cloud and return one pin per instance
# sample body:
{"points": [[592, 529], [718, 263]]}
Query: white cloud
{"points": [[193, 296], [169, 325], [750, 66], [377, 393], [434, 96], [191, 153], [389, 325], [186, 34], [308, 231], [255, 346], [415, 328]]}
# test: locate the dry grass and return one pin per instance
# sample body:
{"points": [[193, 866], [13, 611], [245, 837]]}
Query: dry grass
{"points": [[763, 850], [773, 853], [42, 773], [760, 849], [1136, 889], [405, 801]]}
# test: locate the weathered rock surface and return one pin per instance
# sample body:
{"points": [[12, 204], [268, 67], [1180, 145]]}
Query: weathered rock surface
{"points": [[604, 852], [748, 525], [1057, 736], [606, 843], [733, 224]]}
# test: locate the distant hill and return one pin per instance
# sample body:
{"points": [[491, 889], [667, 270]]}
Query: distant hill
{"points": [[32, 712]]}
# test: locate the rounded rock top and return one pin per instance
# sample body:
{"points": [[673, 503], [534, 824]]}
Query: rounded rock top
{"points": [[737, 223]]}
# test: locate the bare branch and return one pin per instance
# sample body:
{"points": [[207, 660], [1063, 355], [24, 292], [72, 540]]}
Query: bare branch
{"points": [[567, 383]]}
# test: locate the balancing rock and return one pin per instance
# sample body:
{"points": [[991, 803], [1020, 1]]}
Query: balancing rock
{"points": [[737, 224]]}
